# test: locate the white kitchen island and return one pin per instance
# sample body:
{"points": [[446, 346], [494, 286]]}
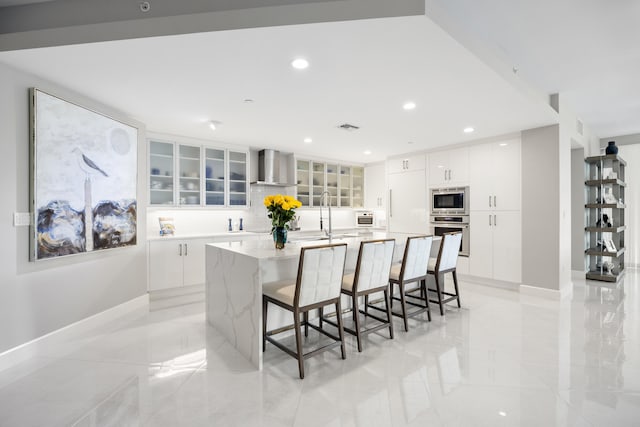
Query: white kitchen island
{"points": [[235, 272]]}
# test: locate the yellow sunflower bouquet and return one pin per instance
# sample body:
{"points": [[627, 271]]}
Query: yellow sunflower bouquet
{"points": [[281, 209]]}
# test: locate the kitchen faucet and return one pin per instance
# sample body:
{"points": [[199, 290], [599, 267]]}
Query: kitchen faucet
{"points": [[328, 202]]}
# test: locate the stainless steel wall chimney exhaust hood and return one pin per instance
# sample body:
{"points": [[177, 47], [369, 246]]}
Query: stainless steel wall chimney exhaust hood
{"points": [[269, 169]]}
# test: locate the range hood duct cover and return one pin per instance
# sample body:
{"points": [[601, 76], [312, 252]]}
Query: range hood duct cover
{"points": [[269, 168]]}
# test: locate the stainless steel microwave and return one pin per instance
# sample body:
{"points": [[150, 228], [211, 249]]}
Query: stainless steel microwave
{"points": [[364, 219], [450, 201]]}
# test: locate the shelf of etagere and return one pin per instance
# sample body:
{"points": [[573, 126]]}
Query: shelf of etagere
{"points": [[599, 182], [604, 277], [605, 205], [598, 159], [618, 229], [600, 252]]}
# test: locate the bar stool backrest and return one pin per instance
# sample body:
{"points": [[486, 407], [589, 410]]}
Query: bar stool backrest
{"points": [[416, 257], [374, 264], [320, 273], [449, 248]]}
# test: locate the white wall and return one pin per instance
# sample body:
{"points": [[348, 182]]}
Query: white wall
{"points": [[578, 212], [631, 154], [37, 298], [541, 208]]}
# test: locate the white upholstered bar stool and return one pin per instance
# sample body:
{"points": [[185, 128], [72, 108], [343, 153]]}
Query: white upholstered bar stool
{"points": [[318, 284], [413, 268], [371, 276], [445, 263]]}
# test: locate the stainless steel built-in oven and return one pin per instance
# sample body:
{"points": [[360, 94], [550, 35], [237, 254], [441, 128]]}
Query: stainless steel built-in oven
{"points": [[364, 219], [450, 201], [452, 224]]}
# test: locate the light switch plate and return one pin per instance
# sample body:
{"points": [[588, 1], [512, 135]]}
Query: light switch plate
{"points": [[21, 219]]}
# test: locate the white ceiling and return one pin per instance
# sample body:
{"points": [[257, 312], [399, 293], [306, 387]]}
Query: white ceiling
{"points": [[361, 72], [588, 51]]}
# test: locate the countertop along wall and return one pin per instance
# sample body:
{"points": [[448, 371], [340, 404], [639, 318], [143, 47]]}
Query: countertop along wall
{"points": [[40, 297]]}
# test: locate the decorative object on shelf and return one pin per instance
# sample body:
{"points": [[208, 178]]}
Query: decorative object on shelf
{"points": [[611, 148], [609, 197], [611, 247], [166, 226], [230, 225], [281, 210], [604, 221], [241, 226]]}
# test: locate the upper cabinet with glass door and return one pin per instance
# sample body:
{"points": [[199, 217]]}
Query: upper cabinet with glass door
{"points": [[191, 175], [189, 163], [345, 186], [318, 182], [161, 173], [214, 173], [357, 174], [303, 179], [332, 183], [238, 183]]}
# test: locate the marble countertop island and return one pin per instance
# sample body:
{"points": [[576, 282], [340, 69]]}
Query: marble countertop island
{"points": [[235, 272]]}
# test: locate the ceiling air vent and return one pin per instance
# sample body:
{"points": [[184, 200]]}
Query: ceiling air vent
{"points": [[348, 127]]}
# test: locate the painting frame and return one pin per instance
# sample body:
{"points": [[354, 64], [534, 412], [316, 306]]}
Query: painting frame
{"points": [[83, 179]]}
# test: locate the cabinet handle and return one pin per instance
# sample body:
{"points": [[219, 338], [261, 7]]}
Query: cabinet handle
{"points": [[180, 249], [495, 221], [449, 174], [390, 203], [186, 249], [495, 203], [490, 221], [489, 201], [445, 174]]}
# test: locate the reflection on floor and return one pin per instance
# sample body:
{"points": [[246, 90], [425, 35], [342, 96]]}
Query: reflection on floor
{"points": [[503, 359]]}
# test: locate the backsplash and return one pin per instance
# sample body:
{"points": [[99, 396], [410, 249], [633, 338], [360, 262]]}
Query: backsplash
{"points": [[254, 218]]}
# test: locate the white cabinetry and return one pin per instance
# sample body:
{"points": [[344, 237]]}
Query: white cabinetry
{"points": [[449, 168], [407, 195], [495, 176], [196, 175], [406, 163], [375, 187], [496, 245], [495, 220], [344, 183], [174, 263]]}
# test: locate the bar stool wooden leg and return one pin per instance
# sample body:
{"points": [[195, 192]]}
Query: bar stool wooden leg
{"points": [[404, 308], [455, 283], [296, 322], [439, 292], [425, 292], [320, 314], [340, 329], [387, 301], [356, 318], [305, 317], [264, 323], [366, 304]]}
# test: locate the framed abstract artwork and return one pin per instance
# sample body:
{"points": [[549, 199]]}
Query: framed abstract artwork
{"points": [[84, 179]]}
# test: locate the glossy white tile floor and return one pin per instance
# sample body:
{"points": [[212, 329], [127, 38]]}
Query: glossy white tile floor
{"points": [[503, 359]]}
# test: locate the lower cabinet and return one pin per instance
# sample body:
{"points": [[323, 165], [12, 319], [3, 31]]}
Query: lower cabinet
{"points": [[175, 263], [495, 245]]}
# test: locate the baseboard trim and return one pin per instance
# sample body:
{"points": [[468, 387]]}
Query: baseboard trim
{"points": [[31, 348], [489, 282], [551, 294]]}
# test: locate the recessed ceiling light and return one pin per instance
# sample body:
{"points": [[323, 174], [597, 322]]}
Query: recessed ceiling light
{"points": [[213, 125], [248, 100], [308, 140], [468, 129], [409, 105], [299, 63], [503, 144], [367, 152], [502, 414]]}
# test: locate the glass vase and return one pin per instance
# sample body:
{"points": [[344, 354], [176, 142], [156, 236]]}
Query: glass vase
{"points": [[279, 237]]}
